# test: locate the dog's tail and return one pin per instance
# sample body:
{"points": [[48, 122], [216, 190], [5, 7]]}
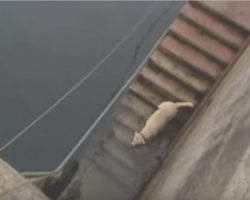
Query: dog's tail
{"points": [[185, 104]]}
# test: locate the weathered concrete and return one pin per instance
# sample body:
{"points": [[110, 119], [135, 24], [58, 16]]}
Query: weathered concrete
{"points": [[238, 11], [15, 187], [213, 160]]}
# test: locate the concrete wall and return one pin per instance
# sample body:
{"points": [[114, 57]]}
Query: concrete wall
{"points": [[14, 187], [213, 162]]}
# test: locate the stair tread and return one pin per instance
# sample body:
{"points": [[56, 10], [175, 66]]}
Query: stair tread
{"points": [[181, 72], [146, 94], [129, 118], [119, 171], [198, 38], [137, 105], [212, 24], [168, 86], [193, 57], [97, 178], [133, 157], [122, 133], [123, 153]]}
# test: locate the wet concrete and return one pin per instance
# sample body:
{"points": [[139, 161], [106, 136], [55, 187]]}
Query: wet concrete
{"points": [[212, 161], [46, 49]]}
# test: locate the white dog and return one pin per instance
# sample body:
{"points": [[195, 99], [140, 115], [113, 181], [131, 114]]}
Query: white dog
{"points": [[165, 112]]}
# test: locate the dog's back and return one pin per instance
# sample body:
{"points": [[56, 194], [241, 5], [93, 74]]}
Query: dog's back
{"points": [[166, 111], [161, 117]]}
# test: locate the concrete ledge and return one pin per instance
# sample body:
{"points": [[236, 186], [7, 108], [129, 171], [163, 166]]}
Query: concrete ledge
{"points": [[14, 186]]}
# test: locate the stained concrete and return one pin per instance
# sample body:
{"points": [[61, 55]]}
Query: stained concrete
{"points": [[238, 11], [14, 186], [213, 160]]}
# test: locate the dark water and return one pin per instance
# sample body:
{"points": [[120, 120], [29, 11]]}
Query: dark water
{"points": [[46, 48]]}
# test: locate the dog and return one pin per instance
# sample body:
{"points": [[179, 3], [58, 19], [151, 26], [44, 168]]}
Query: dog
{"points": [[166, 112]]}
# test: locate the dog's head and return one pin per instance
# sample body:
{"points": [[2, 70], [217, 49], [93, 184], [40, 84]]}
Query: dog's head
{"points": [[137, 139]]}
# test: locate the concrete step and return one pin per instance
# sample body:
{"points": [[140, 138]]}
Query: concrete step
{"points": [[117, 168], [147, 94], [134, 158], [204, 42], [212, 25], [99, 185], [191, 56], [122, 133], [167, 85], [124, 154], [182, 73], [137, 105], [129, 118], [235, 13]]}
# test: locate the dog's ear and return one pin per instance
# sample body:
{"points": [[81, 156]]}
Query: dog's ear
{"points": [[137, 139], [142, 139]]}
